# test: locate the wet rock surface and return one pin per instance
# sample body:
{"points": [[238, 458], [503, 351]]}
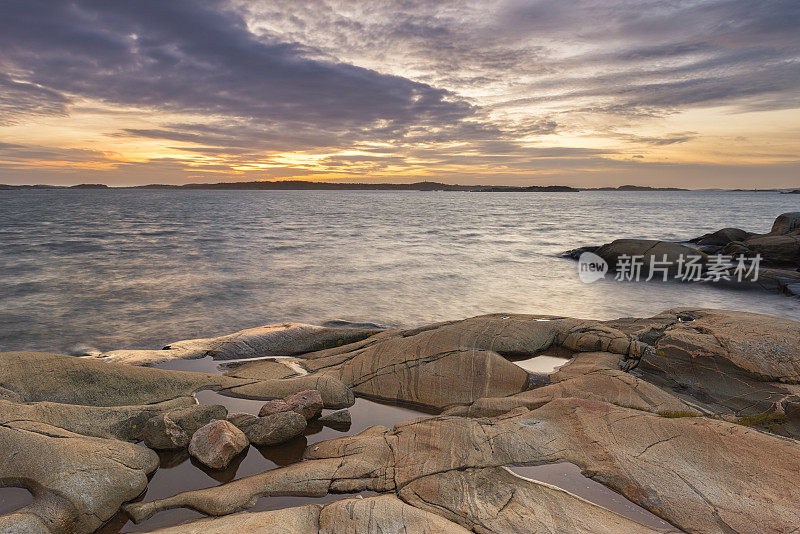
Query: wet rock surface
{"points": [[692, 415]]}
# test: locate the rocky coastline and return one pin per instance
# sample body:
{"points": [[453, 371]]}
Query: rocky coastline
{"points": [[778, 253], [692, 415]]}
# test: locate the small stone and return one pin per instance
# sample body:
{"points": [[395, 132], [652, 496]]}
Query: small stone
{"points": [[337, 419], [217, 443], [307, 403], [174, 429], [270, 430]]}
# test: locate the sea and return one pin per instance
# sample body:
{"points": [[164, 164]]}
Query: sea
{"points": [[85, 270]]}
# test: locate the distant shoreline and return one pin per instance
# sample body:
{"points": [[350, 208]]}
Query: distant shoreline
{"points": [[301, 185]]}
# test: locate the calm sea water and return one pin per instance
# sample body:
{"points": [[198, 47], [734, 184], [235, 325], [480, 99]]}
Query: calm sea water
{"points": [[139, 269]]}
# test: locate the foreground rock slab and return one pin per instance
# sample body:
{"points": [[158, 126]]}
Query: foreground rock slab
{"points": [[386, 514], [495, 500], [78, 482], [72, 380], [687, 470], [284, 339], [653, 408], [422, 366]]}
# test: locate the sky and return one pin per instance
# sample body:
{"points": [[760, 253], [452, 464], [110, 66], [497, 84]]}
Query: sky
{"points": [[696, 94]]}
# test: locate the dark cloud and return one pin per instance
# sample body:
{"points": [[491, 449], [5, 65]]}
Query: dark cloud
{"points": [[199, 57]]}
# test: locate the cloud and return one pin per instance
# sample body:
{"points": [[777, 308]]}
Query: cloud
{"points": [[19, 99], [428, 86], [199, 57]]}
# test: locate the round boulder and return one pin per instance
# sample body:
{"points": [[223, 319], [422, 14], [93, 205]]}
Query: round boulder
{"points": [[307, 403], [270, 430], [215, 444]]}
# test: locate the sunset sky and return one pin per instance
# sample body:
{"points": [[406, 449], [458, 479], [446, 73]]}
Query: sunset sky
{"points": [[589, 93]]}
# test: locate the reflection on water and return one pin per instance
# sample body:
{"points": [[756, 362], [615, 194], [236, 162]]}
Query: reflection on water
{"points": [[542, 364], [141, 269], [568, 477], [179, 472], [13, 499]]}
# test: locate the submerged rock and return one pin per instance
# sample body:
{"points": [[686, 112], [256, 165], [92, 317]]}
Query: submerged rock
{"points": [[270, 430], [216, 443], [337, 419], [651, 250]]}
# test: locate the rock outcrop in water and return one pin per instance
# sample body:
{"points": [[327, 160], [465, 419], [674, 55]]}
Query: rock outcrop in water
{"points": [[779, 250], [691, 414]]}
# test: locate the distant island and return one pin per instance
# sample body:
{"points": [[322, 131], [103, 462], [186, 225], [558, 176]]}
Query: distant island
{"points": [[302, 185], [286, 185], [635, 188]]}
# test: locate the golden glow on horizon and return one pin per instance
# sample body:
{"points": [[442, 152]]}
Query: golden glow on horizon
{"points": [[91, 138]]}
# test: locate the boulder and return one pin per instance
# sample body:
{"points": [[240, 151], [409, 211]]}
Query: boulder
{"points": [[174, 429], [786, 223], [216, 443], [270, 430], [307, 403], [776, 249], [420, 366], [722, 237]]}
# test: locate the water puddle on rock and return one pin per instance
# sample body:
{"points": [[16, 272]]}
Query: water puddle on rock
{"points": [[13, 499], [542, 364], [179, 472], [568, 477]]}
